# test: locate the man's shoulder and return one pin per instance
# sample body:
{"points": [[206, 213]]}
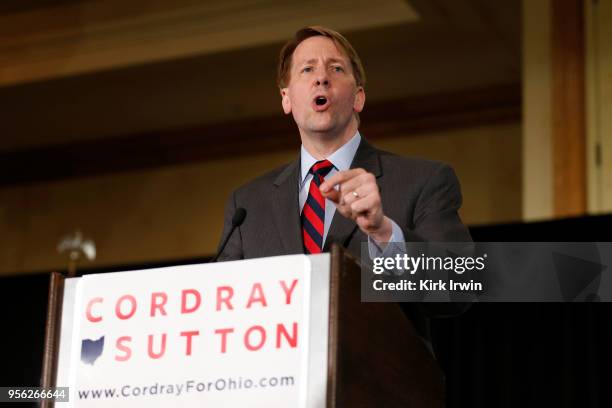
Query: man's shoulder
{"points": [[265, 181], [400, 165]]}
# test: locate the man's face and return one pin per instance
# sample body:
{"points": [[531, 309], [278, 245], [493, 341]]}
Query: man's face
{"points": [[322, 94]]}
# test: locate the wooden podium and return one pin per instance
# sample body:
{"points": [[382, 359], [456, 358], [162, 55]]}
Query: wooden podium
{"points": [[375, 356]]}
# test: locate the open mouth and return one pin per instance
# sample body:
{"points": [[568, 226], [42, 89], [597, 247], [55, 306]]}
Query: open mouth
{"points": [[320, 103]]}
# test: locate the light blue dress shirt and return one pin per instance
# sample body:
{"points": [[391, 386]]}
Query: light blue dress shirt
{"points": [[342, 159]]}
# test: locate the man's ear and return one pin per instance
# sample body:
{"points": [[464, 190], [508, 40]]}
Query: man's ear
{"points": [[359, 99], [285, 100]]}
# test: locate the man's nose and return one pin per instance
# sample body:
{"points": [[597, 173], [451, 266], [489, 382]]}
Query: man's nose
{"points": [[322, 78]]}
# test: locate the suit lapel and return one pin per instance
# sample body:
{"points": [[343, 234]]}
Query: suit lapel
{"points": [[286, 208], [342, 228]]}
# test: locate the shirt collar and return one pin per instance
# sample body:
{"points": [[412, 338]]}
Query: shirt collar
{"points": [[341, 158]]}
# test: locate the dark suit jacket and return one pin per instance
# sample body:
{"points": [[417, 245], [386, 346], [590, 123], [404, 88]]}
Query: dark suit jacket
{"points": [[421, 196]]}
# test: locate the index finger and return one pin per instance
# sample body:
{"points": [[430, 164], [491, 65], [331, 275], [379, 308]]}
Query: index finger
{"points": [[340, 178]]}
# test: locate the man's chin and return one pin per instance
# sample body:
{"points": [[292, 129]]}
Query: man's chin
{"points": [[325, 125], [328, 133]]}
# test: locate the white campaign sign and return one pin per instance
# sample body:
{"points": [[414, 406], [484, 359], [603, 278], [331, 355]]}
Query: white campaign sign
{"points": [[231, 334]]}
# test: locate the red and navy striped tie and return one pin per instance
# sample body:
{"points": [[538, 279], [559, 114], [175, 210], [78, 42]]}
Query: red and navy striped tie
{"points": [[313, 213]]}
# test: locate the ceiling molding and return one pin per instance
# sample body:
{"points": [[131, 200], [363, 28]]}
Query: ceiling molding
{"points": [[396, 118], [81, 37]]}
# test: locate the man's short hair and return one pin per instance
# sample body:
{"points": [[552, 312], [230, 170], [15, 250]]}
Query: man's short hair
{"points": [[286, 54]]}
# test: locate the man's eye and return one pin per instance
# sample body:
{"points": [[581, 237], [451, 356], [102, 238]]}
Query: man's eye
{"points": [[307, 69], [337, 68]]}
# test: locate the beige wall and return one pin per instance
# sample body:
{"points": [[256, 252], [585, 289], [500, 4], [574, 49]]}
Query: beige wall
{"points": [[176, 212], [538, 176], [537, 163], [599, 104]]}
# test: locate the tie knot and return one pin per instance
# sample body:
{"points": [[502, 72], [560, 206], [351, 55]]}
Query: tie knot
{"points": [[321, 168]]}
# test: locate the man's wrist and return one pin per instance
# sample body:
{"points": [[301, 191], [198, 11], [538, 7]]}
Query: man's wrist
{"points": [[384, 233]]}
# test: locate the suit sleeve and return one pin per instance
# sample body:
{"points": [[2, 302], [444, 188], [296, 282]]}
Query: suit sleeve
{"points": [[436, 217], [233, 249]]}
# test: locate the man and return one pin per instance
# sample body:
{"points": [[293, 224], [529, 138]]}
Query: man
{"points": [[340, 189]]}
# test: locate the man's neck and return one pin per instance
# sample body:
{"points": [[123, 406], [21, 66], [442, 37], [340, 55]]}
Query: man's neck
{"points": [[321, 146]]}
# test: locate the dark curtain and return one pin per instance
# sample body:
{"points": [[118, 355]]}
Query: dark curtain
{"points": [[530, 354]]}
